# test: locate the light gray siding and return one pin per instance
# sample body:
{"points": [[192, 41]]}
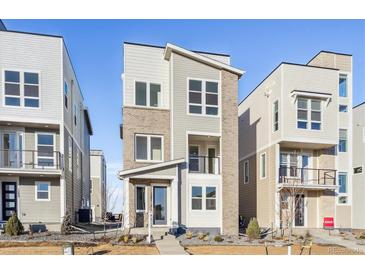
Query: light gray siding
{"points": [[37, 53]]}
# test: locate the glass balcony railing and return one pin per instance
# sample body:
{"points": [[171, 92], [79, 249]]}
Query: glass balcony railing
{"points": [[204, 164]]}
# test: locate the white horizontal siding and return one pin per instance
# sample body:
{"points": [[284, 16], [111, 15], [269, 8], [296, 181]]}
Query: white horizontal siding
{"points": [[34, 53], [143, 63]]}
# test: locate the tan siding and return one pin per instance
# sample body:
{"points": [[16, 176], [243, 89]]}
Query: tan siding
{"points": [[330, 60], [38, 211], [343, 216]]}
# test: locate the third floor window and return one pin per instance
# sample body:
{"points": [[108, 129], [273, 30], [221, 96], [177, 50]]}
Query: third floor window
{"points": [[21, 89], [147, 94], [309, 114], [342, 85], [203, 97]]}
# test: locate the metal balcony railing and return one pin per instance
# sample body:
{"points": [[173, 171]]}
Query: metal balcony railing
{"points": [[30, 159], [204, 164], [307, 176]]}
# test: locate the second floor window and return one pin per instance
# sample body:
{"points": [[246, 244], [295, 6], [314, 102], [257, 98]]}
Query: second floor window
{"points": [[147, 94], [45, 150], [342, 87], [203, 97], [21, 89], [263, 166], [309, 114], [148, 148], [342, 145]]}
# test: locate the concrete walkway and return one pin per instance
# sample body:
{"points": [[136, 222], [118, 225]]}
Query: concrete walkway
{"points": [[336, 239], [169, 245]]}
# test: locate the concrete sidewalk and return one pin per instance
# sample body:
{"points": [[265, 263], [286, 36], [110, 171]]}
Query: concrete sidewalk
{"points": [[338, 240], [169, 245]]}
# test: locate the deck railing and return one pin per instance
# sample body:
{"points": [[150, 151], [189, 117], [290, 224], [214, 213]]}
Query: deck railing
{"points": [[204, 164], [307, 176]]}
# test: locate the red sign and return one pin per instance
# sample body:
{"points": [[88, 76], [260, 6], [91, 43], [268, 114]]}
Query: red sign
{"points": [[328, 223]]}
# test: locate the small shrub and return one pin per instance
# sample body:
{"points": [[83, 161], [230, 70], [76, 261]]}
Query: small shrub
{"points": [[125, 238], [201, 235], [206, 238], [253, 229], [13, 226], [361, 236], [66, 226], [218, 238], [189, 234]]}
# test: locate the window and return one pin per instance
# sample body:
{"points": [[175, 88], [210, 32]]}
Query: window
{"points": [[21, 89], [75, 114], [246, 172], [203, 97], [148, 148], [65, 91], [210, 198], [263, 166], [342, 182], [31, 90], [358, 170], [342, 108], [45, 150], [194, 158], [196, 198], [343, 85], [305, 117], [276, 116], [147, 94], [141, 198], [42, 191], [342, 145], [12, 88]]}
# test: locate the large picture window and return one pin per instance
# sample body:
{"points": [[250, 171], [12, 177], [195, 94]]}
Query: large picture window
{"points": [[147, 94], [309, 114], [203, 97], [21, 89], [148, 148]]}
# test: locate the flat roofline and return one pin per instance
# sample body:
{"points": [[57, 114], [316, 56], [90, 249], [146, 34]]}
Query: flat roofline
{"points": [[282, 63], [330, 52], [163, 47], [33, 33], [359, 105]]}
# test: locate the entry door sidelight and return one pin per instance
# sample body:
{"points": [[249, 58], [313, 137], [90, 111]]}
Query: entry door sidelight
{"points": [[159, 205], [8, 199]]}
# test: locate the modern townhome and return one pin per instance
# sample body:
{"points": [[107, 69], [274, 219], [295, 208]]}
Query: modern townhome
{"points": [[294, 149], [180, 132], [44, 131], [98, 185], [358, 178]]}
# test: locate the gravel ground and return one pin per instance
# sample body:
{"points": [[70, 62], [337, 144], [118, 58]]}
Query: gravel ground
{"points": [[75, 237]]}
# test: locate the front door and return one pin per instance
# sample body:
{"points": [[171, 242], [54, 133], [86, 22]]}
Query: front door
{"points": [[299, 210], [160, 205], [8, 199], [305, 168]]}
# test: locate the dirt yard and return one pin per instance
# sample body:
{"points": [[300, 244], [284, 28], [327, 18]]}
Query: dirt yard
{"points": [[56, 249], [260, 250]]}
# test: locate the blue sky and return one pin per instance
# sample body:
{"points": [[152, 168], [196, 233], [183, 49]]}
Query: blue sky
{"points": [[257, 46]]}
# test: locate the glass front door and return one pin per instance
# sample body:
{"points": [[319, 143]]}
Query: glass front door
{"points": [[299, 210], [160, 205], [8, 199]]}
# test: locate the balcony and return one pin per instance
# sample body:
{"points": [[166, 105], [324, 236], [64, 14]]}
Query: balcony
{"points": [[204, 164], [30, 160], [307, 177]]}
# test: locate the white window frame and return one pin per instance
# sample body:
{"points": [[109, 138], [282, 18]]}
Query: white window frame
{"points": [[65, 94], [204, 198], [145, 199], [21, 96], [343, 76], [203, 93], [248, 172], [44, 157], [309, 110], [276, 102], [37, 183], [347, 189], [149, 136], [148, 94], [347, 140], [263, 169]]}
